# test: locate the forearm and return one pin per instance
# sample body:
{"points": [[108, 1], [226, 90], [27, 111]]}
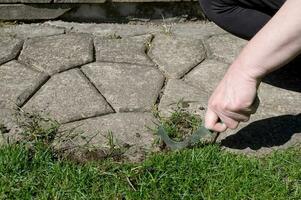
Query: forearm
{"points": [[278, 42]]}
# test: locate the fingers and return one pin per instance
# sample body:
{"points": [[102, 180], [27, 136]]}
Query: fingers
{"points": [[212, 122]]}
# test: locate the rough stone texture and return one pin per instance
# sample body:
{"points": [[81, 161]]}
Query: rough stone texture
{"points": [[126, 87], [207, 75], [225, 47], [129, 131], [17, 84], [176, 56], [25, 31], [106, 30], [9, 48], [30, 12], [279, 101], [68, 96], [57, 53], [178, 91], [201, 30], [128, 50]]}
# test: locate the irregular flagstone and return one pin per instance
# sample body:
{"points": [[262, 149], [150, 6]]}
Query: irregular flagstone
{"points": [[9, 48], [57, 53], [200, 30], [192, 99], [90, 139], [225, 47], [107, 30], [207, 75], [17, 84], [126, 87], [127, 50], [176, 56], [25, 31], [68, 96]]}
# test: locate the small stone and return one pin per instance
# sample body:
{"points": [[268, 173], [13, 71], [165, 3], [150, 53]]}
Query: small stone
{"points": [[68, 96], [9, 48], [176, 56], [128, 50], [126, 87], [93, 134], [57, 53], [207, 75], [225, 47], [177, 91]]}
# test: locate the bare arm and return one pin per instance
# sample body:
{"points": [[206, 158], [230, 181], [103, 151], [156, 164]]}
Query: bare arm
{"points": [[278, 42]]}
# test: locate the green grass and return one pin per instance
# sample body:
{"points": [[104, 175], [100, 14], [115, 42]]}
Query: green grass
{"points": [[200, 173]]}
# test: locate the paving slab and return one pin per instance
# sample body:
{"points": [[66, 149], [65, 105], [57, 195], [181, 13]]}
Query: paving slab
{"points": [[25, 31], [178, 91], [9, 48], [225, 47], [68, 96], [207, 75], [106, 30], [57, 53], [201, 30], [17, 84], [129, 131], [126, 87], [127, 50], [176, 56]]}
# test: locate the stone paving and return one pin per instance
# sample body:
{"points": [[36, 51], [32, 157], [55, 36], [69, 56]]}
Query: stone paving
{"points": [[104, 80]]}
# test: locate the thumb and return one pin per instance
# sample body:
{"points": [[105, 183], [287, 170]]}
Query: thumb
{"points": [[213, 123]]}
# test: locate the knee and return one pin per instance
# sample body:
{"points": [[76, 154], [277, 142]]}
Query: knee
{"points": [[212, 8]]}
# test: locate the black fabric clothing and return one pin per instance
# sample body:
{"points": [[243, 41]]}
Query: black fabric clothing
{"points": [[243, 18]]}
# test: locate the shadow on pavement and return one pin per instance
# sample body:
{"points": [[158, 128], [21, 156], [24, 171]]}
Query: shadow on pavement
{"points": [[268, 132], [287, 77]]}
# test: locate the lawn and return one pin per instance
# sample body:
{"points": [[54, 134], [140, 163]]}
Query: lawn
{"points": [[201, 173]]}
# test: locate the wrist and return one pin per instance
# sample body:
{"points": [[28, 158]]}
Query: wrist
{"points": [[246, 70]]}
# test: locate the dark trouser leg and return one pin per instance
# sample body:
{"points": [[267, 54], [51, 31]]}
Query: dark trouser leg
{"points": [[243, 18]]}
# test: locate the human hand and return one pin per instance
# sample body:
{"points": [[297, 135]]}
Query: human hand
{"points": [[233, 101]]}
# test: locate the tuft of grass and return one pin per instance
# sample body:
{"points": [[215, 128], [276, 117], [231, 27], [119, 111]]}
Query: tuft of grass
{"points": [[181, 123]]}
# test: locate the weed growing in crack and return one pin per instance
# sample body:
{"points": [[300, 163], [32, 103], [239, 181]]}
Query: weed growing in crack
{"points": [[180, 123], [36, 129], [166, 28]]}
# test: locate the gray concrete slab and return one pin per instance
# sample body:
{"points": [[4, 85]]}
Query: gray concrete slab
{"points": [[176, 56], [129, 132], [126, 87], [25, 31], [57, 53], [128, 50], [225, 47], [68, 96], [9, 48]]}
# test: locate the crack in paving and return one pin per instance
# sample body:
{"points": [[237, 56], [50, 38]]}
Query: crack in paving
{"points": [[92, 84]]}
